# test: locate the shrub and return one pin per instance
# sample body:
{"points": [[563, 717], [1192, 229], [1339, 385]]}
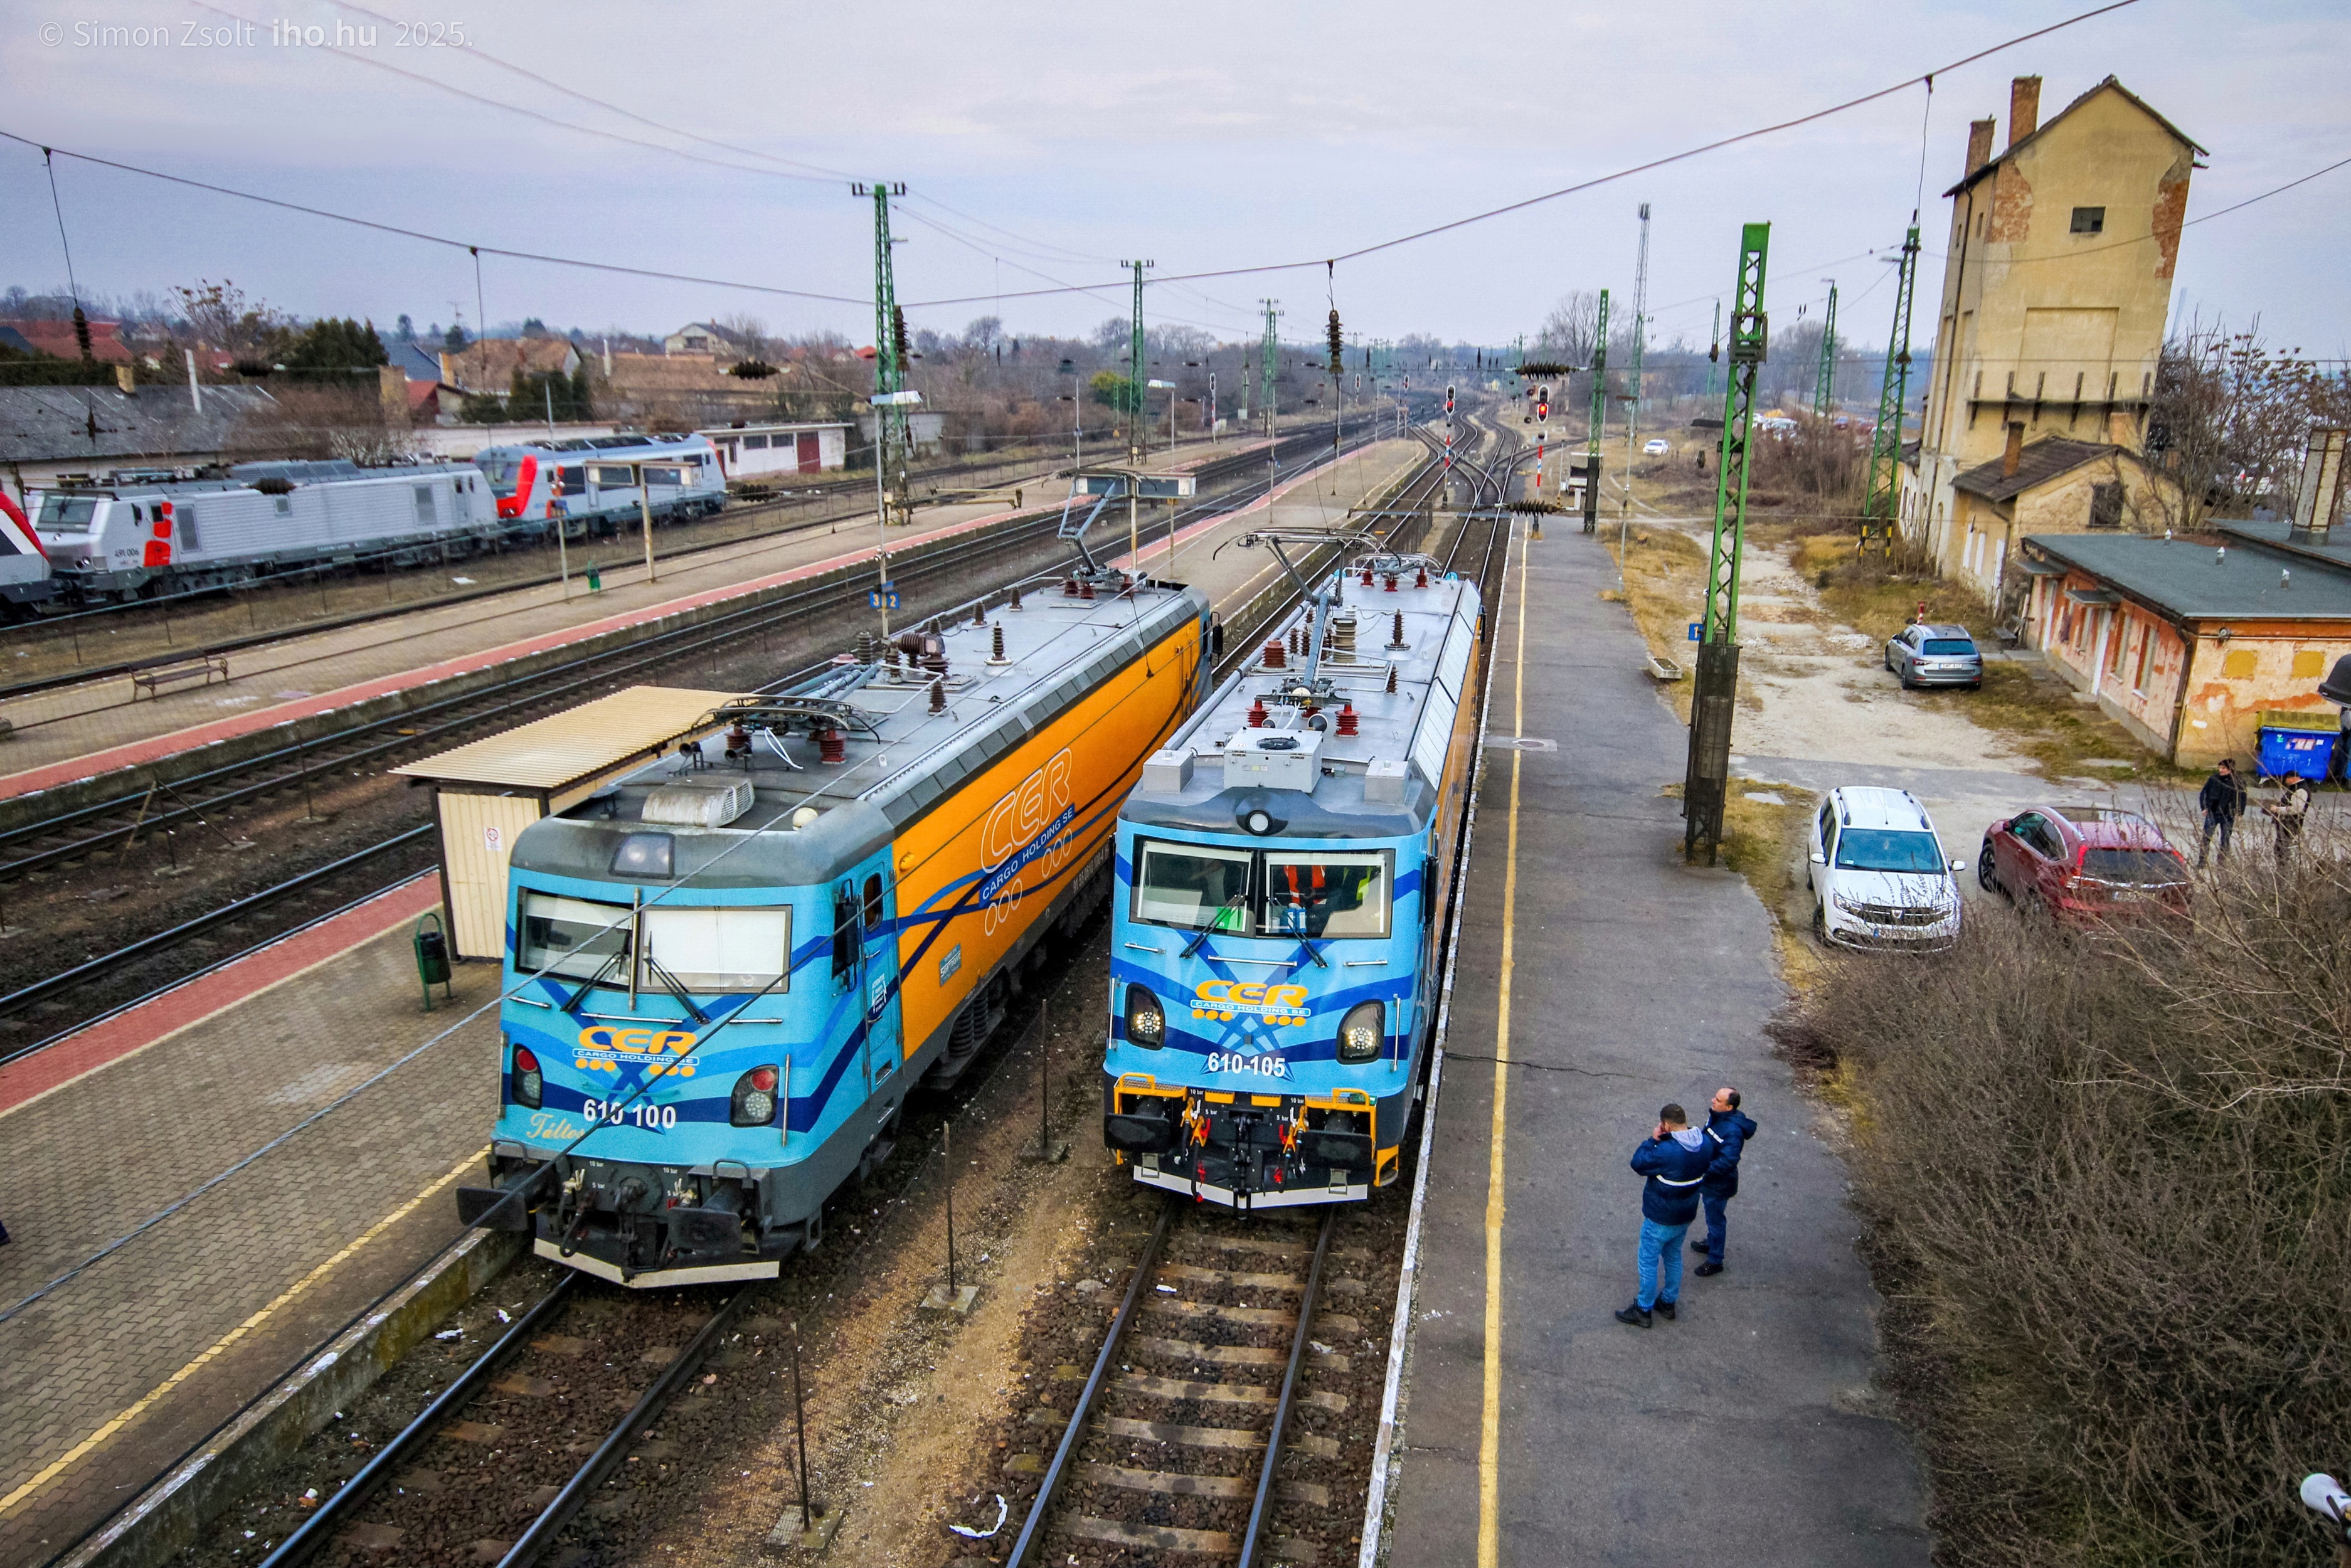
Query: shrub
{"points": [[2108, 1182]]}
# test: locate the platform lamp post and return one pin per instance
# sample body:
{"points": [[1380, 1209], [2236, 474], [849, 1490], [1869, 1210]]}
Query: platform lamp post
{"points": [[644, 514], [1713, 695]]}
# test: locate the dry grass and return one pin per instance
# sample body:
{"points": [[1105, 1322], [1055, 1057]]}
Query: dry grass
{"points": [[1665, 587], [2108, 1186]]}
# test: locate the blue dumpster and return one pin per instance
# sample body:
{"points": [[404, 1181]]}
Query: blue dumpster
{"points": [[2309, 752]]}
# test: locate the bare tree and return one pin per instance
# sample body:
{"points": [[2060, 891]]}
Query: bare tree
{"points": [[748, 333], [1569, 332], [2226, 425]]}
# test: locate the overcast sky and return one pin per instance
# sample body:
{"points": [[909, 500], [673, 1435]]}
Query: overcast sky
{"points": [[1200, 136]]}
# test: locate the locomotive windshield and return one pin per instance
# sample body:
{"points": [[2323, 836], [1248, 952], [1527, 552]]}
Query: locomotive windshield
{"points": [[500, 472], [574, 938], [66, 511], [1277, 893], [1194, 885], [701, 948]]}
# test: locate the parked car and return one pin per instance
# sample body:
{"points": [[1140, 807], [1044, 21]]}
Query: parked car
{"points": [[2082, 863], [1934, 656], [1878, 874], [1657, 446]]}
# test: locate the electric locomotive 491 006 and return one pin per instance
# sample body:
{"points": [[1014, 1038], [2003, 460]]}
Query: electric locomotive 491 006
{"points": [[1280, 870], [722, 975]]}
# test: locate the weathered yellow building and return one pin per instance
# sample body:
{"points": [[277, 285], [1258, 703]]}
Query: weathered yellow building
{"points": [[2056, 282]]}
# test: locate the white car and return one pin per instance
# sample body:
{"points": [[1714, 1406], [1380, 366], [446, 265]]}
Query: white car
{"points": [[1878, 873], [1657, 446]]}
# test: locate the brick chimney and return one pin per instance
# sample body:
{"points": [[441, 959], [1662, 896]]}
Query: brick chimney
{"points": [[2024, 108], [448, 370], [1980, 135], [2015, 453]]}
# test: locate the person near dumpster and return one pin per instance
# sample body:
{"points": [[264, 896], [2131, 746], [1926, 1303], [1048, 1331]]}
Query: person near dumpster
{"points": [[2223, 800], [2289, 811], [1728, 1129], [1674, 1158]]}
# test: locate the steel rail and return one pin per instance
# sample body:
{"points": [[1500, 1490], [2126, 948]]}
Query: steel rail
{"points": [[1032, 1528], [307, 576], [16, 1001], [1262, 1511], [336, 1510], [557, 1514]]}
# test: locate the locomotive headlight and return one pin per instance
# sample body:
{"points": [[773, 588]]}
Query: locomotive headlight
{"points": [[1147, 1023], [1361, 1032], [753, 1103], [529, 1083]]}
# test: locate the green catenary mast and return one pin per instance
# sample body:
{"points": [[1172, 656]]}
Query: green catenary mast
{"points": [[1825, 394], [1716, 689], [1599, 418], [1881, 497]]}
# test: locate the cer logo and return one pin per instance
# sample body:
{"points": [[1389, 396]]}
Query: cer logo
{"points": [[598, 1044], [1224, 999]]}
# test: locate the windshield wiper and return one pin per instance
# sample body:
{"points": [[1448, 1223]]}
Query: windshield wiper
{"points": [[571, 1003], [676, 987], [1234, 902]]}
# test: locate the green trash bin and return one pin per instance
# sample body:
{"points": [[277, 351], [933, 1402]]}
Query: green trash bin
{"points": [[595, 577], [431, 946]]}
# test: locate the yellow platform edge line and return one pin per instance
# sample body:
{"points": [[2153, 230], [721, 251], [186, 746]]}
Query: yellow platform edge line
{"points": [[130, 1413]]}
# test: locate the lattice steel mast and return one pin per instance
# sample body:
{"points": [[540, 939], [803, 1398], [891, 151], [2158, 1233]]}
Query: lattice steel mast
{"points": [[1599, 419], [1825, 394], [1135, 370], [1716, 691], [1881, 498], [1633, 407]]}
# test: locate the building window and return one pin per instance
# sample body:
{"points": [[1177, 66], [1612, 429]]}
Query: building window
{"points": [[2105, 505], [2145, 651], [2240, 665], [2089, 220]]}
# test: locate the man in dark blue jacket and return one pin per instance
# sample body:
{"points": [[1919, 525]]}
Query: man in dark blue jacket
{"points": [[1674, 1158], [1728, 1128]]}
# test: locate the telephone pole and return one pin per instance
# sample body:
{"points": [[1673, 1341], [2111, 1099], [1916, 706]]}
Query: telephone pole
{"points": [[1716, 691], [1881, 498], [1640, 305], [1599, 419], [1134, 376], [1824, 395]]}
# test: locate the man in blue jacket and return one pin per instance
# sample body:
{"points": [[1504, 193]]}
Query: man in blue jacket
{"points": [[1728, 1128], [1674, 1158]]}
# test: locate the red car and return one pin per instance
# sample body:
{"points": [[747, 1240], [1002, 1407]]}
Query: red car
{"points": [[2084, 863]]}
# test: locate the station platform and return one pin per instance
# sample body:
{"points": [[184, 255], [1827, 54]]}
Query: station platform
{"points": [[183, 1235], [1600, 978], [76, 732]]}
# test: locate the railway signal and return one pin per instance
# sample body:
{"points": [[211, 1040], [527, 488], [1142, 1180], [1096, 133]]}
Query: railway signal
{"points": [[1543, 404]]}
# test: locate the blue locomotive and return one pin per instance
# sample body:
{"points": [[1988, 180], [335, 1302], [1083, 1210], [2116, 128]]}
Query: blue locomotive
{"points": [[1280, 870], [723, 974]]}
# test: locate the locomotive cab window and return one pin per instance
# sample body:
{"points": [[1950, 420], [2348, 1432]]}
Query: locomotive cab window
{"points": [[731, 948], [1326, 895], [873, 903], [845, 942], [1194, 886], [573, 937]]}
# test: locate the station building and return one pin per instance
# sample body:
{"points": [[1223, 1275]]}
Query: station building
{"points": [[2194, 645], [2056, 284]]}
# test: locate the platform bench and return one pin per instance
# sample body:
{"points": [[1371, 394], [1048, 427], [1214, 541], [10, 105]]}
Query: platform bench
{"points": [[203, 670]]}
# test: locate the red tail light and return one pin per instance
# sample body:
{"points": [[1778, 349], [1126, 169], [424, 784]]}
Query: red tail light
{"points": [[529, 1083], [753, 1103]]}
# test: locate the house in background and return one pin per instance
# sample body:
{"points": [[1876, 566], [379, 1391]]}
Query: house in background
{"points": [[2196, 645], [56, 338], [2055, 288], [45, 431], [488, 365], [701, 338], [749, 451], [2052, 485]]}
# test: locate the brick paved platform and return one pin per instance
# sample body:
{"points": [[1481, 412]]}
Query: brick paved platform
{"points": [[114, 1373]]}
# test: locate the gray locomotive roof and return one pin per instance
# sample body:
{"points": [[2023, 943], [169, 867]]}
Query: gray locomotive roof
{"points": [[301, 475], [1387, 722], [1057, 649]]}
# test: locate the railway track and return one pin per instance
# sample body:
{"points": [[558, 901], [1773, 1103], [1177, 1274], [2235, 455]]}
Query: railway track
{"points": [[1192, 1434], [69, 837], [550, 1382]]}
